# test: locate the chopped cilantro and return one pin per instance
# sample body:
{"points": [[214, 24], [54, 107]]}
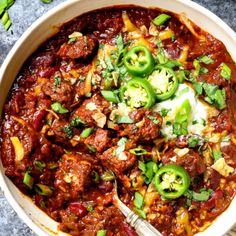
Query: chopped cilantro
{"points": [[57, 82], [193, 142], [76, 121], [57, 107], [198, 88], [68, 130], [164, 112]]}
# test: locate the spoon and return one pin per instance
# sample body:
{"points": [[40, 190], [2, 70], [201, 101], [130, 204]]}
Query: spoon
{"points": [[142, 227]]}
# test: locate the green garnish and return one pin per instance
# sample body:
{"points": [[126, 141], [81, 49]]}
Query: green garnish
{"points": [[217, 155], [101, 232], [47, 1], [225, 71], [28, 180], [121, 146], [86, 132], [68, 130], [76, 121], [57, 82], [110, 96], [153, 119], [193, 142], [95, 177], [108, 176], [4, 5], [124, 120], [138, 200], [164, 112], [43, 190], [40, 165], [161, 19], [205, 59], [138, 151], [57, 107]]}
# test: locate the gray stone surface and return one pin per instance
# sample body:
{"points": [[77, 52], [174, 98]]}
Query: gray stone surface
{"points": [[23, 13]]}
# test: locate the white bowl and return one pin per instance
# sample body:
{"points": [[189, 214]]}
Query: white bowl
{"points": [[45, 27]]}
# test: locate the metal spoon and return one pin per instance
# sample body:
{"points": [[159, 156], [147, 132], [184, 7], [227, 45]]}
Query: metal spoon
{"points": [[142, 227]]}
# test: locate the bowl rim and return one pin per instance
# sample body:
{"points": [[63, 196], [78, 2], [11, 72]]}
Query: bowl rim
{"points": [[7, 193]]}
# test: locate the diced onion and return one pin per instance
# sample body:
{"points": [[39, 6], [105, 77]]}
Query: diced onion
{"points": [[18, 147]]}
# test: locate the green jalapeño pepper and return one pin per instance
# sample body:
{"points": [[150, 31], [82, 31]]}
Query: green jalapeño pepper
{"points": [[138, 93], [172, 181], [139, 61], [164, 82]]}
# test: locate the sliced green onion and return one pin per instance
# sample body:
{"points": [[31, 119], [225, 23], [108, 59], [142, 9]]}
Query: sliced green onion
{"points": [[6, 20], [203, 196], [110, 96], [52, 165], [205, 59], [225, 71], [57, 107], [101, 232], [138, 200], [91, 148], [43, 190], [161, 19], [138, 151], [140, 212], [40, 165], [153, 119], [47, 1], [95, 177], [108, 176], [28, 180], [86, 132]]}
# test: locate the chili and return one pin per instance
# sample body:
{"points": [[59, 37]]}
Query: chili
{"points": [[171, 181], [139, 61]]}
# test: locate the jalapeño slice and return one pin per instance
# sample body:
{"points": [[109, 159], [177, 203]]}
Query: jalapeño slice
{"points": [[171, 181], [139, 61], [138, 93], [164, 82]]}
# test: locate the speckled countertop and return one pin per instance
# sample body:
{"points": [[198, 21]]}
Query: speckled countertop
{"points": [[23, 13]]}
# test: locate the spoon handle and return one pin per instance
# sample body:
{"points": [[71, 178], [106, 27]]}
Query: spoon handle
{"points": [[142, 227]]}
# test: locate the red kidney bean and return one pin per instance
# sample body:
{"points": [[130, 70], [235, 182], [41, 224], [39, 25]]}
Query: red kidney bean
{"points": [[37, 119], [78, 209]]}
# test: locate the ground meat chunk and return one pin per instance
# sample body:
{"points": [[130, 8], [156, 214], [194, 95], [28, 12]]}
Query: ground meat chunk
{"points": [[57, 131], [146, 125], [82, 48], [221, 122], [117, 164], [62, 92], [73, 174], [90, 107], [191, 161], [99, 139]]}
